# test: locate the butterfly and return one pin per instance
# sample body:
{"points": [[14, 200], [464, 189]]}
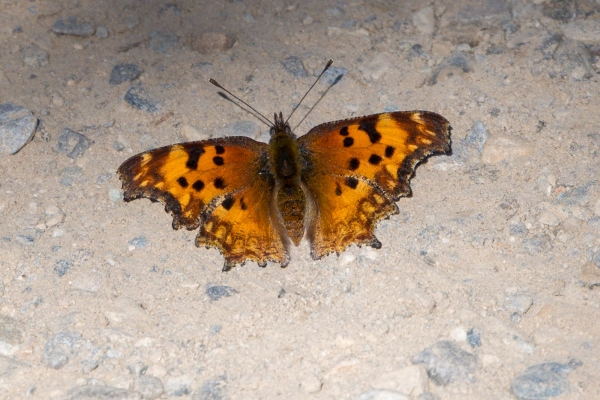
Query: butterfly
{"points": [[252, 200]]}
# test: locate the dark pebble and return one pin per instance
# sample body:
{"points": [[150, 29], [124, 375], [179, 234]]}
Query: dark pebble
{"points": [[163, 43], [218, 292], [62, 267], [578, 195], [56, 349], [477, 136], [474, 337], [97, 392], [138, 98], [457, 60], [17, 127], [213, 389], [293, 65], [71, 26], [72, 143], [139, 242], [543, 380], [124, 73], [446, 362], [540, 243]]}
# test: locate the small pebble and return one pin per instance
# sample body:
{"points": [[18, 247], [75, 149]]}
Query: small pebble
{"points": [[218, 292], [455, 64], [293, 65], [17, 127], [139, 242], [58, 347], [477, 136], [474, 337], [543, 380], [34, 56], [62, 267], [101, 32], [446, 362], [213, 42], [124, 73], [163, 43], [97, 392], [54, 216], [521, 304], [505, 147], [213, 389], [412, 379], [73, 144], [115, 195], [137, 97], [150, 387], [11, 335], [177, 386], [424, 20], [311, 385], [541, 243], [71, 26]]}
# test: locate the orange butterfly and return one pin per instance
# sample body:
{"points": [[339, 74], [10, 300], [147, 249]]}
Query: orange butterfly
{"points": [[251, 199]]}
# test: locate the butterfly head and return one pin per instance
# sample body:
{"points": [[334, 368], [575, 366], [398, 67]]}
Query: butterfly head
{"points": [[281, 127]]}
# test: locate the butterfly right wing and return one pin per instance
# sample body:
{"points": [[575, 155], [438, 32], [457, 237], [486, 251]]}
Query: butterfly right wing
{"points": [[222, 185]]}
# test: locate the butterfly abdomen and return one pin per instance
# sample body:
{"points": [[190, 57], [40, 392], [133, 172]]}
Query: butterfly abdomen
{"points": [[285, 166]]}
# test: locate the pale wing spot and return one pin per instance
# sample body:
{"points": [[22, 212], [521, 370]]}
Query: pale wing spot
{"points": [[159, 185], [145, 159], [144, 183], [184, 200], [424, 141], [416, 117], [390, 169], [412, 147], [135, 178]]}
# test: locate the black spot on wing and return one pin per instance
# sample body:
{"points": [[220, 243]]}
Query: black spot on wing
{"points": [[182, 182], [351, 182], [344, 131], [338, 189], [219, 183], [219, 149], [228, 203], [389, 151], [375, 159], [198, 185], [218, 160], [193, 157], [369, 128], [354, 164], [348, 141], [243, 204]]}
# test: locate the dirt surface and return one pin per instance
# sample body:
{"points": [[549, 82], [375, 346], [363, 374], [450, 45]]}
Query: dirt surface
{"points": [[487, 283]]}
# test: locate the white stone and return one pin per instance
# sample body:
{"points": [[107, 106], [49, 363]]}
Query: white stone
{"points": [[311, 385], [502, 147], [411, 380], [547, 217], [424, 20], [458, 334], [584, 30]]}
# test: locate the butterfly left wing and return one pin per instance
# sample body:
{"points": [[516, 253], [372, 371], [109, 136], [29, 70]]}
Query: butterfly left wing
{"points": [[357, 169], [223, 185]]}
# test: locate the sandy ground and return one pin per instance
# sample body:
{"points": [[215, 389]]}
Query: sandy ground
{"points": [[487, 284]]}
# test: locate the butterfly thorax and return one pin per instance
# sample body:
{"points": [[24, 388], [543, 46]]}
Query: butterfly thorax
{"points": [[284, 158]]}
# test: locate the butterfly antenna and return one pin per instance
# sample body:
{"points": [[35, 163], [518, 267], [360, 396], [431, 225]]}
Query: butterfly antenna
{"points": [[309, 89], [269, 123]]}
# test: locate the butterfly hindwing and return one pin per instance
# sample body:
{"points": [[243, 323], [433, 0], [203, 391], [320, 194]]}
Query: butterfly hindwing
{"points": [[214, 184], [357, 168]]}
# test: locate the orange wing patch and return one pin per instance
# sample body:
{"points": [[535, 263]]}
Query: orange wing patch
{"points": [[217, 184], [357, 168]]}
